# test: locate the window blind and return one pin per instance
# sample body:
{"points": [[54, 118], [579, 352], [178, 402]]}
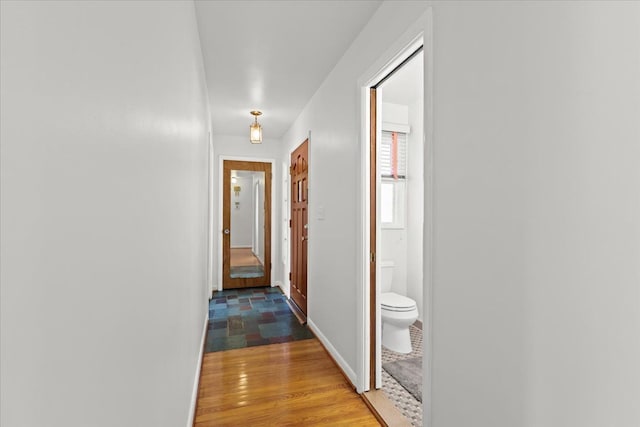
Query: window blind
{"points": [[386, 157]]}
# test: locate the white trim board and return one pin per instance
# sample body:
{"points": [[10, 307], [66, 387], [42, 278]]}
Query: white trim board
{"points": [[428, 239], [210, 237], [350, 373], [196, 381]]}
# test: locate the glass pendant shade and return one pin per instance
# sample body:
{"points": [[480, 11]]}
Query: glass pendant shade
{"points": [[255, 130], [255, 133]]}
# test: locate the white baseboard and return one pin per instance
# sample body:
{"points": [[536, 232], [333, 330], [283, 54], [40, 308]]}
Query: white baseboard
{"points": [[281, 286], [278, 284], [333, 352], [196, 381]]}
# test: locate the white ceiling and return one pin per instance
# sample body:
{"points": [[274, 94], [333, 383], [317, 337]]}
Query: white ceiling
{"points": [[272, 56], [405, 85]]}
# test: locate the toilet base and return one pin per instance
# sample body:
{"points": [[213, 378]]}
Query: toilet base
{"points": [[396, 339]]}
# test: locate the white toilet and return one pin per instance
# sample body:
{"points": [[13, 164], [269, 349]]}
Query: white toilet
{"points": [[398, 313]]}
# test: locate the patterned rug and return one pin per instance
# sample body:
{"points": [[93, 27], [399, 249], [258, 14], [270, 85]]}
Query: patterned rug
{"points": [[401, 398], [249, 317], [408, 373]]}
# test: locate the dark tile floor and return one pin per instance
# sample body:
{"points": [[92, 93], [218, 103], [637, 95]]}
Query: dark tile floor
{"points": [[249, 317]]}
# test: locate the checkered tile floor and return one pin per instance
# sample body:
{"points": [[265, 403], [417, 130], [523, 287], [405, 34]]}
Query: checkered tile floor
{"points": [[401, 398], [249, 317]]}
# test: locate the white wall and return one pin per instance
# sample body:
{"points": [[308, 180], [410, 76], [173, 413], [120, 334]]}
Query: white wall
{"points": [[333, 117], [393, 241], [393, 247], [404, 246], [239, 147], [536, 291], [285, 245], [415, 205], [259, 205], [393, 112], [242, 215], [104, 201]]}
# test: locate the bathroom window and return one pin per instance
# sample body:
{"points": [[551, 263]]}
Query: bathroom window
{"points": [[393, 169], [392, 202]]}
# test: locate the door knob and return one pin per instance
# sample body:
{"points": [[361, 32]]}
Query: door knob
{"points": [[226, 231], [304, 238]]}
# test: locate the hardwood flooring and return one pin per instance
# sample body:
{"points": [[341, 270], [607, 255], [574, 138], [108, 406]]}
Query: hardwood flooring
{"points": [[243, 257], [288, 384]]}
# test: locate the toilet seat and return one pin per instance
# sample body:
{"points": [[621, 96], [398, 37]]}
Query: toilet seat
{"points": [[390, 301]]}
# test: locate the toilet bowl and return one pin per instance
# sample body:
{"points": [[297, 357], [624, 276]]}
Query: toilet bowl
{"points": [[398, 313]]}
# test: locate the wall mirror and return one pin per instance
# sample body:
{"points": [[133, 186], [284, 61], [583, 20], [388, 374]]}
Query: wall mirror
{"points": [[246, 224]]}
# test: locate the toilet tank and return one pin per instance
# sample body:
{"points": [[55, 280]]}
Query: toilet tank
{"points": [[386, 275]]}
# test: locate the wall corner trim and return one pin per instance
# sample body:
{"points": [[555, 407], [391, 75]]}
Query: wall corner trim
{"points": [[196, 380]]}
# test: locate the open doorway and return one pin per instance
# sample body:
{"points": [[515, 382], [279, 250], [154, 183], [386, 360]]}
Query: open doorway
{"points": [[396, 218]]}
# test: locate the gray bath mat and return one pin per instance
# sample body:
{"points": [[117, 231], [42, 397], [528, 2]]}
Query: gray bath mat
{"points": [[408, 373]]}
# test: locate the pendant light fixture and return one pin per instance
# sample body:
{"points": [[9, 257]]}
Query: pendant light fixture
{"points": [[255, 130]]}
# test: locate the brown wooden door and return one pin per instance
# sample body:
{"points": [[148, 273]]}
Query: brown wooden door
{"points": [[299, 224], [246, 224]]}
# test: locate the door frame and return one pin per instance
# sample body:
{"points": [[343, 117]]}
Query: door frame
{"points": [[375, 224], [218, 234], [418, 34]]}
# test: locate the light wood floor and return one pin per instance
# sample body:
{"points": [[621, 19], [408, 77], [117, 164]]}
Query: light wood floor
{"points": [[288, 384], [243, 257]]}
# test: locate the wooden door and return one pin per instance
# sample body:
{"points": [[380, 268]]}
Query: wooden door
{"points": [[299, 171], [246, 224]]}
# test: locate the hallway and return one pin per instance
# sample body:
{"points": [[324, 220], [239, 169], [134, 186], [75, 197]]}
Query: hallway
{"points": [[117, 118]]}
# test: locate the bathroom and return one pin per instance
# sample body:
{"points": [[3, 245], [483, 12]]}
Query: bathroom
{"points": [[401, 213]]}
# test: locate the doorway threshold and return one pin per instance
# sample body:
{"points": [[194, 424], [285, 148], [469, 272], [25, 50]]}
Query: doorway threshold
{"points": [[384, 410], [297, 312]]}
